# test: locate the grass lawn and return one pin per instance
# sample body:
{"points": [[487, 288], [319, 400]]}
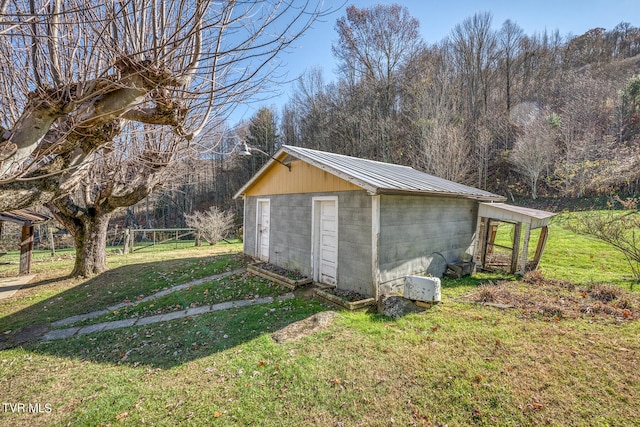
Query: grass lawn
{"points": [[459, 364]]}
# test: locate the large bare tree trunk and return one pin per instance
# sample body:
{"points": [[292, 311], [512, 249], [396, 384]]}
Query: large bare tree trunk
{"points": [[91, 245], [89, 230]]}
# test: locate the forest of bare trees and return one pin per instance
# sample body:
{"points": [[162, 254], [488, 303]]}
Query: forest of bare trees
{"points": [[85, 92], [522, 115], [490, 106]]}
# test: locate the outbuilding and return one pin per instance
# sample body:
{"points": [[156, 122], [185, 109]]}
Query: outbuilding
{"points": [[358, 224], [27, 219]]}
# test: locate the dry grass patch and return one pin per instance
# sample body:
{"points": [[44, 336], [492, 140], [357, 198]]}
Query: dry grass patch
{"points": [[535, 295]]}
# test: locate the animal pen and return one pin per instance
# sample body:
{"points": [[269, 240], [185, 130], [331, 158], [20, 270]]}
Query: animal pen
{"points": [[495, 254]]}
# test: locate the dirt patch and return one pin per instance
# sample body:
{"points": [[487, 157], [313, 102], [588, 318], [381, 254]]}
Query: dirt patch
{"points": [[302, 328], [290, 274], [349, 296], [536, 296], [22, 336]]}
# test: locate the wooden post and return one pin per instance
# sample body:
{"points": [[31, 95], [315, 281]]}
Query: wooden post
{"points": [[477, 243], [516, 248], [125, 249], [485, 239], [52, 241], [525, 247], [132, 239], [26, 246], [542, 241], [493, 230]]}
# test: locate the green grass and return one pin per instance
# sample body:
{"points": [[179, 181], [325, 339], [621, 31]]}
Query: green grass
{"points": [[459, 364], [53, 296], [230, 288], [573, 257]]}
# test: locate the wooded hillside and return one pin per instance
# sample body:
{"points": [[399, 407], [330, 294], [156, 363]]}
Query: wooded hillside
{"points": [[489, 106]]}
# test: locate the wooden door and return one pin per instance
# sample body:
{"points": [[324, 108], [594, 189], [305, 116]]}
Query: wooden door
{"points": [[263, 229], [326, 244]]}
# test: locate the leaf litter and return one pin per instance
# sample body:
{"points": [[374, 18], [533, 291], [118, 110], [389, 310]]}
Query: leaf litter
{"points": [[536, 296]]}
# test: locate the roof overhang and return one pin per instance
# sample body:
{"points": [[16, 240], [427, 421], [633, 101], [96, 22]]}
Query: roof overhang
{"points": [[504, 212], [439, 193], [24, 217]]}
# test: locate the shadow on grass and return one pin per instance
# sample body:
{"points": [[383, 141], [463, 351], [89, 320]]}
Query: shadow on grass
{"points": [[158, 345], [477, 279], [168, 344], [117, 285], [44, 282]]}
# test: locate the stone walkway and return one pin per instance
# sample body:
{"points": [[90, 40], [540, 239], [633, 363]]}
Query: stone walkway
{"points": [[140, 321], [94, 314]]}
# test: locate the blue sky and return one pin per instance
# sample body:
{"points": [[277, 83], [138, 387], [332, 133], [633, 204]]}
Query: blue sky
{"points": [[437, 19]]}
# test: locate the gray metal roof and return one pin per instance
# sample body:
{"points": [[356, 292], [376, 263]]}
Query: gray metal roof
{"points": [[533, 213], [23, 216], [378, 177], [503, 212]]}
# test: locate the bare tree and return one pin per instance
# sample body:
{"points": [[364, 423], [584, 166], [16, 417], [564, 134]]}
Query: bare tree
{"points": [[534, 151], [212, 224], [74, 72], [121, 174], [474, 46], [375, 42], [509, 39]]}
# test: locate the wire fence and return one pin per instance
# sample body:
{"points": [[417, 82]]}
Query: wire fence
{"points": [[125, 240], [134, 240]]}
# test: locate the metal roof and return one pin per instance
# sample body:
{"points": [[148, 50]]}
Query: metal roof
{"points": [[502, 211], [377, 177], [23, 216]]}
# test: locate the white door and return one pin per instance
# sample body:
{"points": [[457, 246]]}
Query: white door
{"points": [[326, 244], [263, 228]]}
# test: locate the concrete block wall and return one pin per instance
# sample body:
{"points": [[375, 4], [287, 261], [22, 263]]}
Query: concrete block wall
{"points": [[290, 235], [420, 234]]}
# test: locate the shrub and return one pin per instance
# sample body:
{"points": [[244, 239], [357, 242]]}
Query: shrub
{"points": [[212, 225], [621, 230]]}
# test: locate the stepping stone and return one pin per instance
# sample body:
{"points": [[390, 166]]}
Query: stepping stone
{"points": [[79, 318], [60, 334]]}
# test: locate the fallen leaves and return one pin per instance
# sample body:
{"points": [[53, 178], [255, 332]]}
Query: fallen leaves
{"points": [[535, 404]]}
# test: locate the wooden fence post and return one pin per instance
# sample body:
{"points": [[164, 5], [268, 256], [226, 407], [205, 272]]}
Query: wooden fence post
{"points": [[125, 249], [26, 246], [52, 241]]}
